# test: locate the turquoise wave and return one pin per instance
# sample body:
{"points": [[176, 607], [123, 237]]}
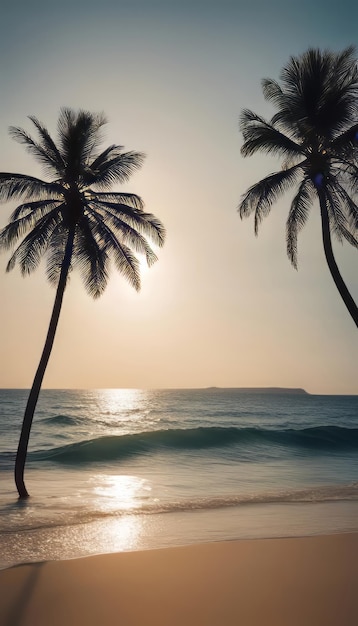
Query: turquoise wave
{"points": [[117, 447]]}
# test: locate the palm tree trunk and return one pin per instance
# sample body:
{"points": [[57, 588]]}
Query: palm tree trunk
{"points": [[327, 244], [36, 385]]}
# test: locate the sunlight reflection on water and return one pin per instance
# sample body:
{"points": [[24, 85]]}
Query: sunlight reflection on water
{"points": [[113, 400], [118, 492], [122, 410]]}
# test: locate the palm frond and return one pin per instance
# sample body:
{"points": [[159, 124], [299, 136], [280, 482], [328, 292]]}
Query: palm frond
{"points": [[39, 152], [261, 135], [297, 217], [124, 233], [129, 199], [349, 206], [14, 186], [346, 170], [127, 265], [125, 261], [30, 251], [260, 197], [110, 153], [346, 143], [341, 227], [37, 207], [118, 169], [146, 223], [90, 256], [56, 254], [16, 228], [273, 92], [49, 145]]}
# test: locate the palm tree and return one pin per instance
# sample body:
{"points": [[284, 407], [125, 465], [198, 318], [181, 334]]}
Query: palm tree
{"points": [[74, 221], [315, 130]]}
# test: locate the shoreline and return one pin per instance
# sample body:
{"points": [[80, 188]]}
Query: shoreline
{"points": [[137, 532], [310, 580]]}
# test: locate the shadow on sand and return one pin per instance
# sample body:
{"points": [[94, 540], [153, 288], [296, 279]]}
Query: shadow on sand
{"points": [[21, 602]]}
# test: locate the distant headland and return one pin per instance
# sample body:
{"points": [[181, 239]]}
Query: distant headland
{"points": [[268, 390]]}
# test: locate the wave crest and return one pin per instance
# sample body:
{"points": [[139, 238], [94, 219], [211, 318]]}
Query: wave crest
{"points": [[59, 420], [116, 447]]}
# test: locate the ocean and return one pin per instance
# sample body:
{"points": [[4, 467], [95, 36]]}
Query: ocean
{"points": [[129, 469]]}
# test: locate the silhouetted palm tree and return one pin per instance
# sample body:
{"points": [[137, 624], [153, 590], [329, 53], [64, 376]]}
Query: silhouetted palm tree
{"points": [[315, 130], [74, 221]]}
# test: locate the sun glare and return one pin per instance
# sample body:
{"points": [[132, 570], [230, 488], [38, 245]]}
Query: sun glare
{"points": [[110, 400], [119, 493]]}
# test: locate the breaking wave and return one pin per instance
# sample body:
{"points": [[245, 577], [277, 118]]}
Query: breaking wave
{"points": [[116, 447]]}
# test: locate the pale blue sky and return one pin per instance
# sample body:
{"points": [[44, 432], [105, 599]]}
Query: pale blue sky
{"points": [[220, 307]]}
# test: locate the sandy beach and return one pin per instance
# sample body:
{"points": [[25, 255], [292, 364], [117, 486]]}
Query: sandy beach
{"points": [[308, 581]]}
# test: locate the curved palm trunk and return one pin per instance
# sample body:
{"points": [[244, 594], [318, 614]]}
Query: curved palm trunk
{"points": [[327, 244], [36, 385]]}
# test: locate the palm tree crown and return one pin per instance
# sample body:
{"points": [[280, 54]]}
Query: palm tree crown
{"points": [[78, 200], [315, 131]]}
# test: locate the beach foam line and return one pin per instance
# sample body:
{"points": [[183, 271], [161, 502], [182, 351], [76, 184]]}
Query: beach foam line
{"points": [[308, 581]]}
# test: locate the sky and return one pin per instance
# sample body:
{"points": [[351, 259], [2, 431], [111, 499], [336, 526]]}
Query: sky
{"points": [[220, 307]]}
